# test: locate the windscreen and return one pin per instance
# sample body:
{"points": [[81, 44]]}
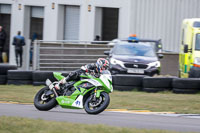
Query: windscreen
{"points": [[135, 49], [105, 72], [197, 44]]}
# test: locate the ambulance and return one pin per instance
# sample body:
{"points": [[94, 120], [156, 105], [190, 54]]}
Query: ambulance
{"points": [[189, 56]]}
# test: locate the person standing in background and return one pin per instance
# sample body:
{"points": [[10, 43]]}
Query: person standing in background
{"points": [[2, 42], [19, 42]]}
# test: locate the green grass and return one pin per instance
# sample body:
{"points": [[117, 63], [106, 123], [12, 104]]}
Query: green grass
{"points": [[133, 100], [165, 101], [25, 125], [22, 94]]}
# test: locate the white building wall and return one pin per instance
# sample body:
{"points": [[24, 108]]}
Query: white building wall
{"points": [[98, 21], [19, 21], [153, 19], [60, 22], [124, 14], [87, 21], [161, 19], [50, 23], [52, 18], [16, 25]]}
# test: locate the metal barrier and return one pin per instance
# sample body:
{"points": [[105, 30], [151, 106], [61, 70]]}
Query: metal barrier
{"points": [[66, 55], [70, 55]]}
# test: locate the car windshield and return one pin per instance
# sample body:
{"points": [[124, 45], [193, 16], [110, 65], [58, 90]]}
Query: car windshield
{"points": [[197, 44], [135, 49]]}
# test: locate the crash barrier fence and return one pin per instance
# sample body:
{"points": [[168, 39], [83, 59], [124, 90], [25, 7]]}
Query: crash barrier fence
{"points": [[120, 82], [66, 55]]}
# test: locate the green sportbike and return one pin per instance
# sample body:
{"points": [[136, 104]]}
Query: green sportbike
{"points": [[90, 92]]}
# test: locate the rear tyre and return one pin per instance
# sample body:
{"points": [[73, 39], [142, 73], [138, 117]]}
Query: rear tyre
{"points": [[185, 91], [125, 88], [19, 82], [39, 83], [4, 68], [3, 79], [153, 90], [186, 83], [194, 72], [19, 75], [128, 80], [43, 102], [157, 82], [97, 106]]}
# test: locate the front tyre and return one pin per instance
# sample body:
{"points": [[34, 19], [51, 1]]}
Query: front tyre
{"points": [[44, 102], [98, 105]]}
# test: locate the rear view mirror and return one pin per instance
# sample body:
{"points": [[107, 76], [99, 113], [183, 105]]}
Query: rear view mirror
{"points": [[106, 52], [185, 48]]}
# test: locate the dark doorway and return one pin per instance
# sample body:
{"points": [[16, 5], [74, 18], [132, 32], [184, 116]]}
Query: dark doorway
{"points": [[36, 28], [5, 22], [36, 22], [110, 23]]}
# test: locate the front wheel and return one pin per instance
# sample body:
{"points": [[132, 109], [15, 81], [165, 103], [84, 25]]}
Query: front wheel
{"points": [[44, 101], [98, 105]]}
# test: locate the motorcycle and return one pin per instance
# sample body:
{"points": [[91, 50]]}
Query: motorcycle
{"points": [[91, 92]]}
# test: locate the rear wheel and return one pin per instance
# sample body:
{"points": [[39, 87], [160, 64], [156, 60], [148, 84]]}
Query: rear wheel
{"points": [[96, 106], [43, 101]]}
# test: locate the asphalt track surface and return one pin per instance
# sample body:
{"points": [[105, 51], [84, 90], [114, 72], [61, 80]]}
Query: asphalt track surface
{"points": [[174, 122]]}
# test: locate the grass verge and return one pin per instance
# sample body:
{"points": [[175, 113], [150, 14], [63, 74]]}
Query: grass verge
{"points": [[159, 102], [133, 100], [25, 125]]}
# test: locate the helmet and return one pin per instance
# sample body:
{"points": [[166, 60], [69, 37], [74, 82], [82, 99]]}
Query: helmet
{"points": [[102, 64]]}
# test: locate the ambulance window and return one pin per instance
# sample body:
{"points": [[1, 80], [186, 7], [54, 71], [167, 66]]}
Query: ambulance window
{"points": [[196, 24], [197, 45]]}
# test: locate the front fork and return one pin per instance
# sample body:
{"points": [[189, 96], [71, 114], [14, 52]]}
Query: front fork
{"points": [[52, 87], [97, 94], [55, 92]]}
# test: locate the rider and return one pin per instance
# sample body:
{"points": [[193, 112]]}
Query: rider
{"points": [[101, 64]]}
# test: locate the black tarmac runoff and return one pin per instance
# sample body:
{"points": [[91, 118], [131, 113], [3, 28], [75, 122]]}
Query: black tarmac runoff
{"points": [[176, 122]]}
